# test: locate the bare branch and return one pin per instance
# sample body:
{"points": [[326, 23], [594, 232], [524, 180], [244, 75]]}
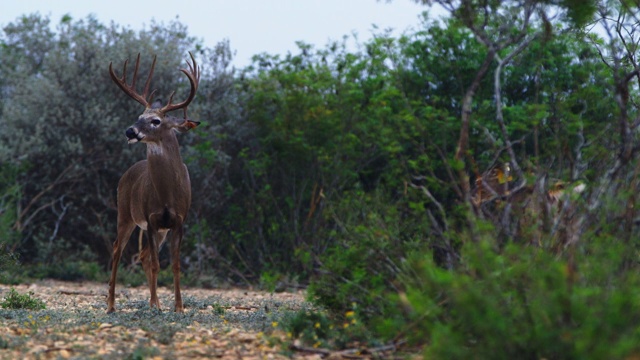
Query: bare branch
{"points": [[430, 196], [20, 222], [498, 98]]}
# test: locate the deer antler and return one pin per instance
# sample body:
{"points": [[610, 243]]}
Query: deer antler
{"points": [[131, 89], [194, 78]]}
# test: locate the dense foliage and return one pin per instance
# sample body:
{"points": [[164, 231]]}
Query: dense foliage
{"points": [[470, 185]]}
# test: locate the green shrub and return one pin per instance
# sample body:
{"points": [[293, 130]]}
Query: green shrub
{"points": [[269, 280], [498, 300], [15, 300], [362, 266], [521, 302]]}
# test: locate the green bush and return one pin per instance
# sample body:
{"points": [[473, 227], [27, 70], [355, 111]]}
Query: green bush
{"points": [[500, 299], [355, 271], [15, 300], [521, 302]]}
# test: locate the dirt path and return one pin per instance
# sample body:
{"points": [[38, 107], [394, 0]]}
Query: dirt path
{"points": [[228, 324]]}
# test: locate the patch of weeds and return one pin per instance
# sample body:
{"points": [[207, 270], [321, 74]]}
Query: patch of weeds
{"points": [[318, 329], [10, 271], [312, 328], [165, 334], [141, 306], [191, 302], [218, 309], [194, 303], [4, 344], [143, 352], [34, 323], [15, 300]]}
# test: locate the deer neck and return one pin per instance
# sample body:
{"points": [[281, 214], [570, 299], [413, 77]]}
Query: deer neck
{"points": [[166, 170]]}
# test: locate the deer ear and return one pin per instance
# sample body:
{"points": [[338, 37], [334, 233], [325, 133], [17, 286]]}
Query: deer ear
{"points": [[187, 125]]}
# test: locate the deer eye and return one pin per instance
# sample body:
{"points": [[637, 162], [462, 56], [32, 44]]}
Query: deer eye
{"points": [[155, 121]]}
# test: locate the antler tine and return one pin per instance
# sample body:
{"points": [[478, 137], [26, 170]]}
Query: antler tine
{"points": [[193, 74], [193, 68], [146, 84], [131, 89], [135, 74]]}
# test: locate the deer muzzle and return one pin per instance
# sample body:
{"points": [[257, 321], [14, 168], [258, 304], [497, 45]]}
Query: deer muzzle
{"points": [[133, 135]]}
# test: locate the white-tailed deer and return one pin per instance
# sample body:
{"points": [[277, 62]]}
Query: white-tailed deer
{"points": [[154, 194]]}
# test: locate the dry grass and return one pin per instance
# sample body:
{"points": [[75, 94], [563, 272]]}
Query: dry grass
{"points": [[216, 324]]}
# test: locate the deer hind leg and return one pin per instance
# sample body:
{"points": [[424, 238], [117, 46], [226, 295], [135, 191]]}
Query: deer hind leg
{"points": [[145, 260], [176, 239], [124, 232], [151, 263]]}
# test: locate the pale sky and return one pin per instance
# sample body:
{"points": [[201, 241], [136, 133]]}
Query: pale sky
{"points": [[252, 26]]}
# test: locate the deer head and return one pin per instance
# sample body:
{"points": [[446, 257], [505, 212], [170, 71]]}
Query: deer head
{"points": [[154, 121]]}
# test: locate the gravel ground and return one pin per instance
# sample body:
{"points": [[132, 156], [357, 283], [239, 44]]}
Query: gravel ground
{"points": [[235, 323]]}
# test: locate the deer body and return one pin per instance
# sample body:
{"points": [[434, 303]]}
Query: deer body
{"points": [[154, 194]]}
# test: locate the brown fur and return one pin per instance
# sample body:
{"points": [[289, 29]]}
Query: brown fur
{"points": [[154, 194]]}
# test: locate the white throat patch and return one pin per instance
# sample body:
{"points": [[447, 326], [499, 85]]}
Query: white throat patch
{"points": [[154, 149]]}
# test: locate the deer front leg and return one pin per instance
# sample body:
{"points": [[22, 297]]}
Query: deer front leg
{"points": [[176, 239], [124, 232]]}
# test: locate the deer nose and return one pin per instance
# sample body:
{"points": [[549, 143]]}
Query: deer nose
{"points": [[131, 133]]}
